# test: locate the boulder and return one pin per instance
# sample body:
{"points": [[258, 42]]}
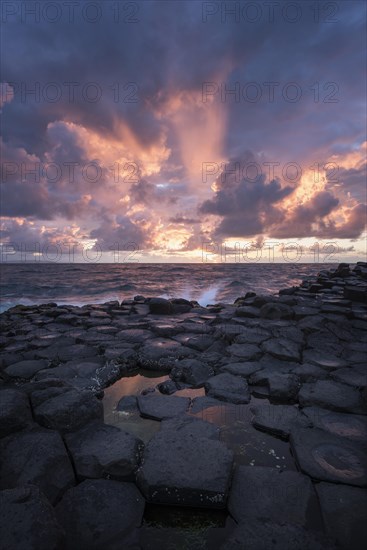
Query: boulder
{"points": [[159, 407], [185, 469], [101, 514], [15, 411], [270, 495], [28, 521], [39, 457], [328, 457], [276, 311], [277, 419], [99, 450], [355, 293], [242, 369], [25, 369], [246, 352], [192, 372], [162, 353], [332, 395], [69, 411], [191, 426], [257, 535], [160, 306], [227, 387], [344, 512], [283, 348], [168, 387], [350, 426]]}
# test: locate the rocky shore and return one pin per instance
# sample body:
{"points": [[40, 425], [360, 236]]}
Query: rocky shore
{"points": [[69, 480]]}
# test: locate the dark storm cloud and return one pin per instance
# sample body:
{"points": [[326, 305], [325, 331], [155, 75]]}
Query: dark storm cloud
{"points": [[308, 219], [247, 206], [119, 234], [171, 48], [183, 220]]}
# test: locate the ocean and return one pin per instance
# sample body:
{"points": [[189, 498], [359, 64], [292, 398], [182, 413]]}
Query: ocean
{"points": [[80, 284]]}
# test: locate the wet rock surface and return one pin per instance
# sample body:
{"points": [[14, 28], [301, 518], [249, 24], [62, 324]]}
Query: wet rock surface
{"points": [[303, 351]]}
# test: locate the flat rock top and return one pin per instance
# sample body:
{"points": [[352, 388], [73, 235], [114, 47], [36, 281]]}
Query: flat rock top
{"points": [[327, 457], [36, 456], [332, 395], [191, 426], [350, 426], [100, 513], [28, 520], [25, 369], [227, 387], [344, 511], [269, 494], [159, 407], [186, 470], [277, 419], [257, 535]]}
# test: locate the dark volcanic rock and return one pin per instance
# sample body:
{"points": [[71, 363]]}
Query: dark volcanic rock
{"points": [[283, 387], [267, 494], [28, 521], [25, 369], [227, 387], [69, 411], [168, 387], [323, 360], [327, 457], [161, 354], [99, 450], [283, 348], [159, 407], [242, 369], [257, 535], [101, 514], [192, 372], [277, 419], [246, 352], [355, 293], [15, 411], [276, 311], [39, 457], [128, 403], [247, 311], [332, 395], [40, 396], [344, 511], [160, 306], [351, 426], [191, 426], [199, 404], [352, 376], [185, 470]]}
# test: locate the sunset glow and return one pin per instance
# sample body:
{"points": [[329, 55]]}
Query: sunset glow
{"points": [[151, 159]]}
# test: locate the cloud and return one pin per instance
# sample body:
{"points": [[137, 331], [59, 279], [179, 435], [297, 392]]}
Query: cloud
{"points": [[246, 206], [151, 129]]}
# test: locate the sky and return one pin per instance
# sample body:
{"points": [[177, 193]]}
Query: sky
{"points": [[183, 131]]}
